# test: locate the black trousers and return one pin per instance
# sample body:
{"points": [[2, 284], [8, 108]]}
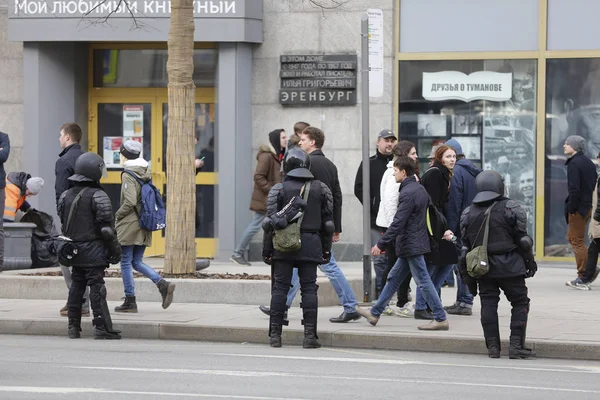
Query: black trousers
{"points": [[94, 278], [282, 281], [592, 261], [390, 251], [515, 291]]}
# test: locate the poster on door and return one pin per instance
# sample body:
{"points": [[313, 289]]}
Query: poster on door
{"points": [[133, 121], [111, 149]]}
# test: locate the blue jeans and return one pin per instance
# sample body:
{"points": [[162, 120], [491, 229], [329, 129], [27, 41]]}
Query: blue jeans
{"points": [[463, 296], [416, 265], [338, 281], [379, 262], [132, 257], [249, 233], [438, 275]]}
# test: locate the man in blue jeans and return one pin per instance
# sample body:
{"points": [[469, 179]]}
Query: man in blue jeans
{"points": [[311, 141], [409, 231]]}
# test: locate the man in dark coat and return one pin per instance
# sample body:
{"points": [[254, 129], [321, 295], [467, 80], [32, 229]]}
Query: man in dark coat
{"points": [[462, 192], [510, 261], [316, 231], [70, 136], [86, 215], [581, 180], [409, 231], [4, 153], [377, 167]]}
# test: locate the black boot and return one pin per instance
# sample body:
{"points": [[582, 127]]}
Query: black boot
{"points": [[493, 346], [517, 350], [310, 328], [128, 306], [100, 333], [74, 328], [166, 290], [275, 335]]}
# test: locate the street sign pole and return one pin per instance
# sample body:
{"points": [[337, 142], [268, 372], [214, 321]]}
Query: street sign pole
{"points": [[364, 33]]}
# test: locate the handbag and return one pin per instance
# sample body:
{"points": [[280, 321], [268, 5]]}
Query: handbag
{"points": [[477, 258], [289, 238]]}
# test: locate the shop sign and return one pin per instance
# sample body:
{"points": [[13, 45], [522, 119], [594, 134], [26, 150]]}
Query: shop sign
{"points": [[116, 8], [324, 80], [455, 85]]}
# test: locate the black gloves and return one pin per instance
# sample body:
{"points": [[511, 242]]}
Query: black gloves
{"points": [[471, 284], [112, 244], [531, 267], [115, 258], [267, 252], [326, 257]]}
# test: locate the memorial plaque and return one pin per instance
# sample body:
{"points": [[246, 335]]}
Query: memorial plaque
{"points": [[323, 80]]}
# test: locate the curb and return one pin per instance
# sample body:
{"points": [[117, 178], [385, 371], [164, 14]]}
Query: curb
{"points": [[205, 291], [293, 337]]}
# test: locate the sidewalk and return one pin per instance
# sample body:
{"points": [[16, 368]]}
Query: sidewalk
{"points": [[564, 323]]}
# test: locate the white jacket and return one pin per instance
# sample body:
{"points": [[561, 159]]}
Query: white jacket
{"points": [[389, 191]]}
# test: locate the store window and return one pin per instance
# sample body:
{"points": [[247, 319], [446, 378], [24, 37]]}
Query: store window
{"points": [[573, 108], [488, 106], [147, 68]]}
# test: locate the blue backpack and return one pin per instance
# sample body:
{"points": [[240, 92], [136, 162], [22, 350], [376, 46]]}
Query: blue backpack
{"points": [[153, 213]]}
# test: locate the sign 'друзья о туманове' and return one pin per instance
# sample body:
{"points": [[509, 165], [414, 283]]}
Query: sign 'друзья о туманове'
{"points": [[323, 80], [480, 85]]}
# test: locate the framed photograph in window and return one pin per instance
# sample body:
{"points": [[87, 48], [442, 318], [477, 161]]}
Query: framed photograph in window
{"points": [[431, 125]]}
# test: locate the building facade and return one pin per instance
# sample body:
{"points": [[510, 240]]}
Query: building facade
{"points": [[509, 79]]}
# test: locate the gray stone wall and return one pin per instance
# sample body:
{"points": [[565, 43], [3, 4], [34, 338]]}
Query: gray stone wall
{"points": [[296, 27], [11, 91]]}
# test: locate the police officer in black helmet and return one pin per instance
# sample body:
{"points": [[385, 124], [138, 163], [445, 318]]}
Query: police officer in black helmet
{"points": [[316, 237], [510, 260], [87, 218]]}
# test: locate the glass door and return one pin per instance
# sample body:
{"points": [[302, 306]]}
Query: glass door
{"points": [[206, 176]]}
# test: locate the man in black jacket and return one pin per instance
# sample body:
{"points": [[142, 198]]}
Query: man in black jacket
{"points": [[311, 141], [4, 153], [377, 167], [509, 259], [70, 136], [409, 232], [581, 178], [86, 215]]}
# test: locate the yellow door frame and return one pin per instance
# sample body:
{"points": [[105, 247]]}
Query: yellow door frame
{"points": [[542, 54], [156, 97]]}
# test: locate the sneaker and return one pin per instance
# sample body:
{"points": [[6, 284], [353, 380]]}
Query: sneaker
{"points": [[448, 308], [240, 260], [407, 311], [460, 310], [578, 284]]}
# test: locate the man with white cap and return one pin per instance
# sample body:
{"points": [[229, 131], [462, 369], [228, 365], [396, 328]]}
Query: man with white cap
{"points": [[19, 186], [581, 179]]}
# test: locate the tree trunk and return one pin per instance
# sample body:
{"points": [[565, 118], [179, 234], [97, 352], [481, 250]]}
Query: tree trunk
{"points": [[180, 252]]}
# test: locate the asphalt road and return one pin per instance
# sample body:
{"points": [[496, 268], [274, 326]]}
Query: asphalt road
{"points": [[37, 367]]}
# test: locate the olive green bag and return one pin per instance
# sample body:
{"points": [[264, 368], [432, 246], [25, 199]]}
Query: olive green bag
{"points": [[289, 238], [477, 258]]}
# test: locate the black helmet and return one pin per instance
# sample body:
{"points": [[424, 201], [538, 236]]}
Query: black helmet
{"points": [[297, 164], [89, 167], [489, 185]]}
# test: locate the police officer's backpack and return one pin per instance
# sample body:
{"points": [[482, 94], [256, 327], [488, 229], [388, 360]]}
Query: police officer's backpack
{"points": [[290, 238], [153, 213]]}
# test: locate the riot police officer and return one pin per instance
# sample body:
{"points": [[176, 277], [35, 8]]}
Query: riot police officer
{"points": [[510, 261], [87, 219], [316, 232]]}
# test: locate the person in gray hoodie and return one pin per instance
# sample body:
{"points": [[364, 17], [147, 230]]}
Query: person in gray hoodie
{"points": [[132, 238], [462, 192]]}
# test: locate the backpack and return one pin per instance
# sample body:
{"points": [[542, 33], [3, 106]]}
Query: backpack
{"points": [[152, 215], [290, 238]]}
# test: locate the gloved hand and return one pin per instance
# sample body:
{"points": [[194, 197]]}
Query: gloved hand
{"points": [[115, 256], [267, 257], [531, 269], [326, 257]]}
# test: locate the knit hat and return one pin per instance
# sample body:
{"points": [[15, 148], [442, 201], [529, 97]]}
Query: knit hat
{"points": [[576, 142], [456, 146], [131, 149], [34, 185]]}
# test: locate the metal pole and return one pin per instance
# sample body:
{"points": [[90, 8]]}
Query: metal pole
{"points": [[364, 32]]}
